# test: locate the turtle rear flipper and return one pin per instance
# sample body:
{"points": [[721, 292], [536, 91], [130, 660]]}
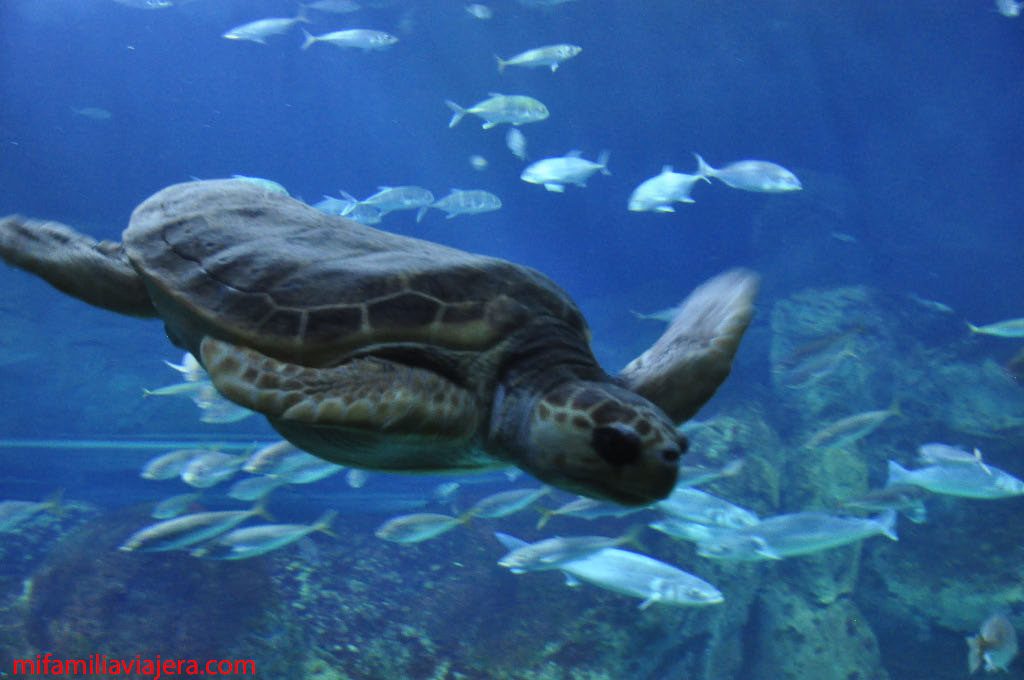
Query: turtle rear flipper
{"points": [[361, 412], [682, 370], [95, 272]]}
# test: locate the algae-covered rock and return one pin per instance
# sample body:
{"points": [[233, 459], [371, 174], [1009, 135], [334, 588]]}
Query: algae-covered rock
{"points": [[794, 640]]}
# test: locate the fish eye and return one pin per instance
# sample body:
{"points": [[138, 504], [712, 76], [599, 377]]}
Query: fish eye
{"points": [[616, 445]]}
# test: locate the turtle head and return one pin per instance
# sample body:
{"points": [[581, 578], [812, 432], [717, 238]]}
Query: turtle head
{"points": [[601, 440]]}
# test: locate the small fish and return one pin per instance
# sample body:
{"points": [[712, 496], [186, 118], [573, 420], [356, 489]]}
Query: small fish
{"points": [[268, 185], [253, 488], [643, 577], [174, 505], [258, 31], [471, 202], [813, 369], [242, 544], [658, 193], [843, 237], [551, 56], [1009, 8], [551, 553], [760, 176], [903, 498], [478, 162], [693, 532], [309, 471], [478, 11], [417, 527], [359, 38], [1011, 328], [800, 533], [505, 503], [146, 4], [695, 475], [944, 454], [265, 459], [965, 481], [995, 644], [515, 140], [587, 508], [845, 431], [334, 6], [388, 199], [211, 468], [933, 305], [171, 464], [15, 513], [187, 530], [501, 108], [572, 168], [363, 214], [189, 388], [216, 409], [699, 506], [356, 478], [92, 113]]}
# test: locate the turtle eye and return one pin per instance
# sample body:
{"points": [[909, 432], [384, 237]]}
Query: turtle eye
{"points": [[617, 445]]}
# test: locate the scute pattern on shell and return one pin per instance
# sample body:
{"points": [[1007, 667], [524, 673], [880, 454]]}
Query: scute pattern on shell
{"points": [[263, 270]]}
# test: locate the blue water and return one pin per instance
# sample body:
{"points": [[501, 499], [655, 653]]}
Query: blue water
{"points": [[902, 119]]}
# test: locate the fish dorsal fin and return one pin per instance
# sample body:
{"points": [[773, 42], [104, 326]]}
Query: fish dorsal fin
{"points": [[666, 168], [573, 153]]}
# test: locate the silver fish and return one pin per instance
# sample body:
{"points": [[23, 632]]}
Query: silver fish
{"points": [[309, 471], [171, 464], [501, 108], [801, 533], [903, 498], [174, 505], [505, 503], [187, 530], [388, 199], [359, 38], [1011, 328], [845, 431], [211, 468], [258, 31], [944, 454], [572, 168], [471, 202], [253, 488], [417, 527], [551, 553], [265, 459], [587, 508], [965, 481], [478, 11], [515, 140], [241, 544], [704, 508], [551, 56], [695, 475], [658, 193], [750, 175], [1009, 8]]}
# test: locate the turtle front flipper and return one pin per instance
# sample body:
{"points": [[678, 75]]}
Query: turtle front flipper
{"points": [[368, 394], [95, 272], [682, 370]]}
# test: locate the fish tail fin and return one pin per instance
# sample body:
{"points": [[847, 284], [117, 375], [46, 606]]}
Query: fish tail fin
{"points": [[259, 508], [323, 525], [465, 517], [888, 522], [501, 63], [509, 541], [545, 517], [55, 503], [632, 536], [421, 212], [602, 160], [897, 474], [733, 467], [973, 328], [704, 171], [457, 112], [310, 39], [973, 653], [352, 202]]}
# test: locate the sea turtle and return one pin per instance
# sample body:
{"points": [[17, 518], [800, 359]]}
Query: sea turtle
{"points": [[381, 351]]}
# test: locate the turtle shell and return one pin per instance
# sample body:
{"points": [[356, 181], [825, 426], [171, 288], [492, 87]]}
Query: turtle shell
{"points": [[229, 259]]}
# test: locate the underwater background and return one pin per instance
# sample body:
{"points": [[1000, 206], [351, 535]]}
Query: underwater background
{"points": [[903, 121]]}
